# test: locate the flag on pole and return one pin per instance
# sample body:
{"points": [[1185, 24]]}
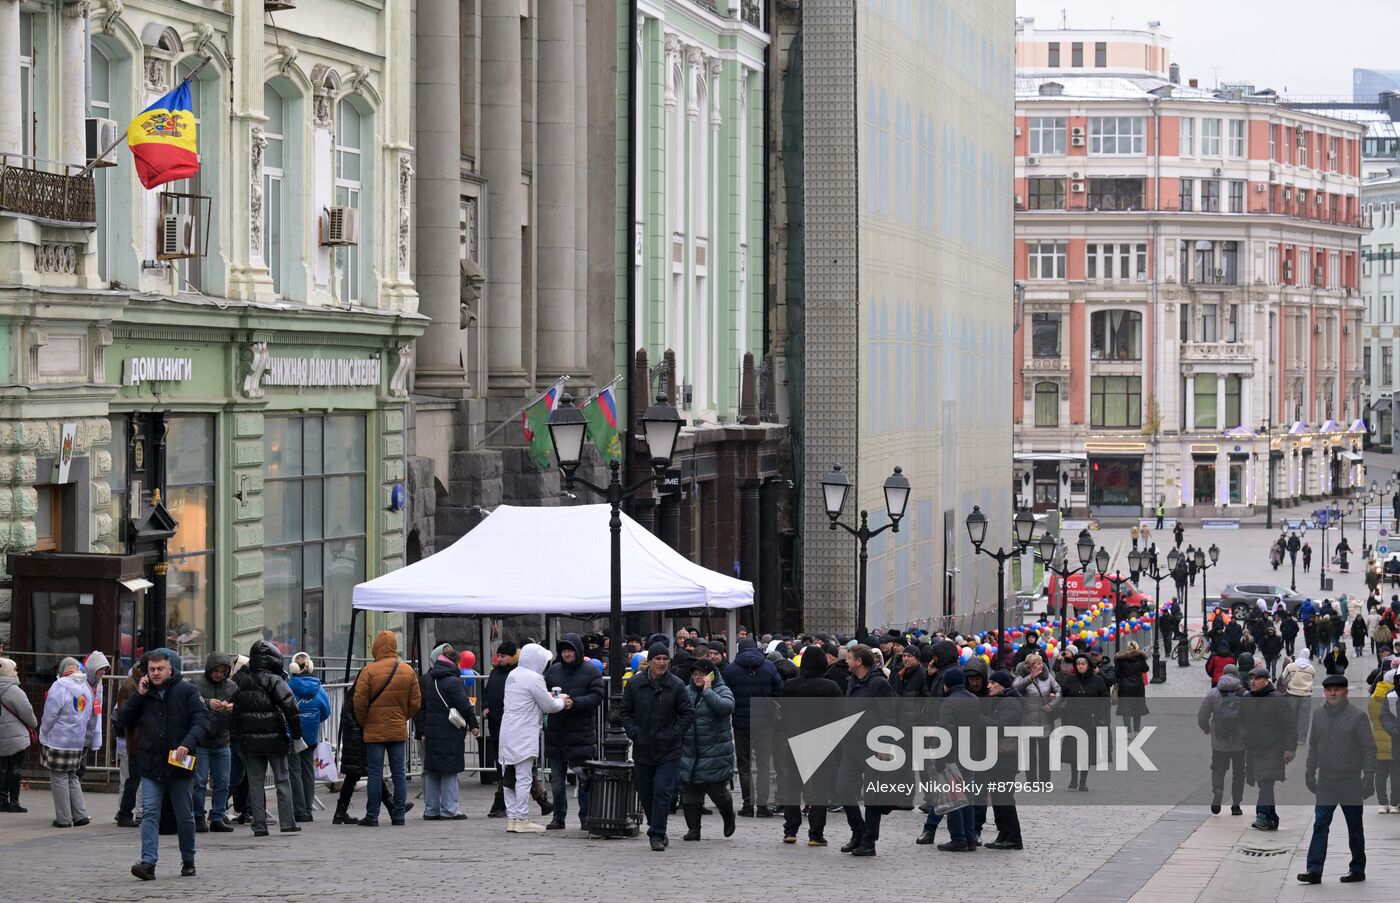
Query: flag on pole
{"points": [[535, 423], [601, 413], [162, 139]]}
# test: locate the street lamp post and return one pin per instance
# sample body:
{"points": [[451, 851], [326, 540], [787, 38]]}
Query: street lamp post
{"points": [[1324, 520], [1053, 550], [835, 487], [1203, 567], [1022, 526], [1293, 545], [1366, 501], [568, 428], [1118, 581], [1152, 566], [1178, 567]]}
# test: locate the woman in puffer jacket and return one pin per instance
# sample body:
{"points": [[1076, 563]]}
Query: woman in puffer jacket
{"points": [[1038, 691], [707, 750], [67, 731], [16, 720]]}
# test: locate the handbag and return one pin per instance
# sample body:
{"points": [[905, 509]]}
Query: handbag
{"points": [[454, 717], [33, 732], [945, 798], [326, 770]]}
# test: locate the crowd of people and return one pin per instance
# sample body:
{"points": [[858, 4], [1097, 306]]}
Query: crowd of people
{"points": [[197, 750]]}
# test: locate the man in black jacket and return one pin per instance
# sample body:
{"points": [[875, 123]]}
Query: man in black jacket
{"points": [[1341, 770], [265, 719], [750, 677], [656, 713], [865, 683], [213, 758], [571, 736], [173, 722], [810, 683]]}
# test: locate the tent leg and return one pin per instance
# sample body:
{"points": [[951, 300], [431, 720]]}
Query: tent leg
{"points": [[350, 642], [731, 626], [551, 627], [483, 658], [668, 627]]}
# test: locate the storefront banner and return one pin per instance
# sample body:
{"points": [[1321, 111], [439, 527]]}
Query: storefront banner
{"points": [[136, 370], [315, 371]]}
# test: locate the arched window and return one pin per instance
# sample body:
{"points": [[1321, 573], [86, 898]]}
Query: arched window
{"points": [[1047, 404], [350, 129], [1115, 335]]}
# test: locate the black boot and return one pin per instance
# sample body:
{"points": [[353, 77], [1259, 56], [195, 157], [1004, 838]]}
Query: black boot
{"points": [[726, 812], [498, 804], [342, 816], [541, 796], [692, 821]]}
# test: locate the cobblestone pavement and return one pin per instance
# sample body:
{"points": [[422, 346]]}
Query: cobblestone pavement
{"points": [[1153, 854]]}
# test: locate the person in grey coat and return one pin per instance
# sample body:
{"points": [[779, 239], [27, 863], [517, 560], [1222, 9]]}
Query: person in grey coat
{"points": [[1341, 770], [1222, 716], [707, 750], [16, 718]]}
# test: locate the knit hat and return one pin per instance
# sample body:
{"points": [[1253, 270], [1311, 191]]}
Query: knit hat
{"points": [[656, 649], [1231, 668], [507, 649], [8, 668], [301, 664], [746, 644], [1002, 677], [953, 677]]}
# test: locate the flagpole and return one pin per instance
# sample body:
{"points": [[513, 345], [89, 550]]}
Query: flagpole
{"points": [[615, 380], [87, 170], [502, 425]]}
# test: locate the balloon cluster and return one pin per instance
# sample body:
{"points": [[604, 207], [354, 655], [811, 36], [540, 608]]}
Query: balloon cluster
{"points": [[1081, 630]]}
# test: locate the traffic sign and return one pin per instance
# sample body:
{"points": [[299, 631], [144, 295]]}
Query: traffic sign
{"points": [[1383, 549], [1384, 532]]}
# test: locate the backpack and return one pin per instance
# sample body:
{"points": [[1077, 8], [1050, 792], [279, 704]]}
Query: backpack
{"points": [[1228, 725]]}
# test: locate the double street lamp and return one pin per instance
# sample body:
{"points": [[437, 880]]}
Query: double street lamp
{"points": [[660, 427], [1148, 563], [1023, 524], [1118, 581], [1053, 552], [1203, 567], [1293, 545], [835, 487]]}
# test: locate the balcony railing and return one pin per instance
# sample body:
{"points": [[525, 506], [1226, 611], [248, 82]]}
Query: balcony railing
{"points": [[46, 189], [1216, 351]]}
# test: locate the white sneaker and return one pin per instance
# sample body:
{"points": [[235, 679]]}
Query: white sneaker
{"points": [[525, 826], [1383, 810], [510, 825]]}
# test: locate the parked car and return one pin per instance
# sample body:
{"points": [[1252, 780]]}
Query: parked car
{"points": [[1240, 597]]}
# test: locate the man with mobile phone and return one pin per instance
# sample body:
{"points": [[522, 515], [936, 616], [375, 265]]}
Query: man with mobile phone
{"points": [[173, 721]]}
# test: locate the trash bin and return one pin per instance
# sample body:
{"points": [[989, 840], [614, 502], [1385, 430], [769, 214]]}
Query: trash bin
{"points": [[613, 809], [1326, 584]]}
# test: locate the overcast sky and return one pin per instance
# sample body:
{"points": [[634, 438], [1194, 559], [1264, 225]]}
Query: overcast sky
{"points": [[1271, 43]]}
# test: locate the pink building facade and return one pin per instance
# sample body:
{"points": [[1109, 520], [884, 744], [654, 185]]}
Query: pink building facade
{"points": [[1189, 264]]}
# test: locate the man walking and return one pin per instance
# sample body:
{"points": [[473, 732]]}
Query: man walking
{"points": [[750, 677], [1221, 715], [1341, 770], [656, 713], [866, 683], [1271, 741], [265, 718], [386, 696], [571, 736], [174, 722], [212, 759]]}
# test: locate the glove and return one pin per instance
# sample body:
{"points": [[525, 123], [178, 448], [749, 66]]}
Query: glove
{"points": [[1368, 786], [1311, 781]]}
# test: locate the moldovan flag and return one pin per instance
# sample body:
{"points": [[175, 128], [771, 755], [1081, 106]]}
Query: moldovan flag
{"points": [[162, 139]]}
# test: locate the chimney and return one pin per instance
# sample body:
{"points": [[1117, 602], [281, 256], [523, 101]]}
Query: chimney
{"points": [[748, 392], [1390, 101], [1174, 73]]}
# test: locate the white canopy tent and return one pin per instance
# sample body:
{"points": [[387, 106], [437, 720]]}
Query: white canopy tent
{"points": [[550, 561]]}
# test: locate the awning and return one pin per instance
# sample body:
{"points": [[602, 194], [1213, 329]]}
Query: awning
{"points": [[1349, 455], [1380, 404], [1050, 456], [1330, 427], [136, 583], [1359, 427]]}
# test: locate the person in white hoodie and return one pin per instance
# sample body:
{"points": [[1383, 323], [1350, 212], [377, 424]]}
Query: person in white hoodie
{"points": [[96, 667], [527, 700], [67, 731], [1297, 682], [16, 720]]}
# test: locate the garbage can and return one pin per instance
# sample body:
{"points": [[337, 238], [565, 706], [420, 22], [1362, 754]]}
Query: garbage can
{"points": [[613, 809], [1327, 584]]}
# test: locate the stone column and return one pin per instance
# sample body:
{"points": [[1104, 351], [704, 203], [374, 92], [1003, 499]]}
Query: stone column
{"points": [[72, 68], [581, 189], [501, 165], [1191, 403], [438, 140], [11, 129], [555, 177]]}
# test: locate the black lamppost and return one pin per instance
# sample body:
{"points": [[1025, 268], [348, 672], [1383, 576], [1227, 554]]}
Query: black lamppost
{"points": [[568, 428], [835, 486], [1152, 567], [1052, 550], [1203, 567], [1118, 581], [1324, 518], [1023, 524], [1293, 545], [1176, 566]]}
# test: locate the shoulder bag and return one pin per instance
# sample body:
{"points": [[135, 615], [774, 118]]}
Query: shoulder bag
{"points": [[454, 717]]}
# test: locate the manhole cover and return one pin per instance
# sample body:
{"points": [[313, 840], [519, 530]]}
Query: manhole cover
{"points": [[1264, 851]]}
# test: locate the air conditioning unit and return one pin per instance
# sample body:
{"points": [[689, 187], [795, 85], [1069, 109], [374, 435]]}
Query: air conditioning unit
{"points": [[341, 226], [1076, 176], [176, 238], [1031, 161], [1018, 131], [1218, 171], [1260, 188], [100, 139], [1219, 273], [1077, 141], [274, 6], [1020, 201], [1077, 132], [1077, 187]]}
